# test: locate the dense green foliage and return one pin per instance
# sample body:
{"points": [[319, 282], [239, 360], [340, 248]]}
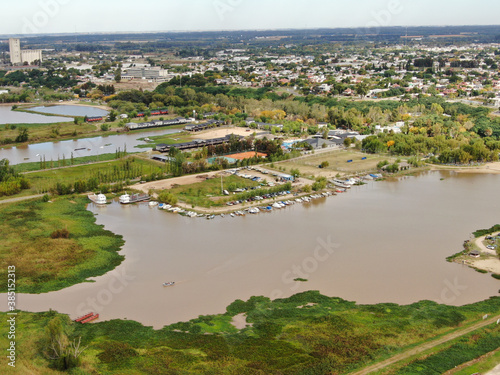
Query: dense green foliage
{"points": [[38, 78], [54, 244], [11, 183], [484, 232], [466, 349], [307, 333]]}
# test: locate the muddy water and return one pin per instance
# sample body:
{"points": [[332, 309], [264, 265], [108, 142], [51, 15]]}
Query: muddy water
{"points": [[382, 242]]}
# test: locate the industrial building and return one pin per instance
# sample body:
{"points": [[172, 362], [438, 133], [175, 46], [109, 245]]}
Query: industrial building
{"points": [[19, 56]]}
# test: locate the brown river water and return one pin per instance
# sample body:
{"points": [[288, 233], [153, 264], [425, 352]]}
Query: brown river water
{"points": [[382, 242]]}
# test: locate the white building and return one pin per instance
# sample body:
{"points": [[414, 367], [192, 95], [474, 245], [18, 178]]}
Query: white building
{"points": [[19, 57], [15, 51]]}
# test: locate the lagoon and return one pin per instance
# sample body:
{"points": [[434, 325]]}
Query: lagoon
{"points": [[7, 116], [94, 146], [383, 242], [71, 110]]}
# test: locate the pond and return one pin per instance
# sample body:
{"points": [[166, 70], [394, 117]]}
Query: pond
{"points": [[71, 110], [7, 116]]}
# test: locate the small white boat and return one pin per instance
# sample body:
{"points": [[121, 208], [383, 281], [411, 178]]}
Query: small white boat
{"points": [[231, 214], [125, 198], [98, 199], [170, 283], [153, 203]]}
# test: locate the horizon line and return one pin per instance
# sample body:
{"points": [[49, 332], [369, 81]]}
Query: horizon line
{"points": [[2, 36]]}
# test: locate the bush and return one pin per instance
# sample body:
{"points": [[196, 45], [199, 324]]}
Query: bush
{"points": [[167, 197], [382, 164], [319, 184], [60, 233], [393, 168]]}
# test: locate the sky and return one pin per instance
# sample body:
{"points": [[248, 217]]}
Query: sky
{"points": [[91, 16]]}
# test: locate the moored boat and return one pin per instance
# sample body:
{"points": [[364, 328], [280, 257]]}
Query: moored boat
{"points": [[98, 199], [134, 198]]}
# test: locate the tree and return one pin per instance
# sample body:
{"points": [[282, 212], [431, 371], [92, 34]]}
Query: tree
{"points": [[112, 116], [167, 197], [118, 75], [362, 89], [295, 172], [64, 353], [22, 135]]}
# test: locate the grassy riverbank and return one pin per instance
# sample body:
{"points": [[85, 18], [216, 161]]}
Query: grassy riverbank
{"points": [[54, 244], [104, 172], [305, 334], [36, 166]]}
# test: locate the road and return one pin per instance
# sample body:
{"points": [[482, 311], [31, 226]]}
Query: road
{"points": [[19, 199], [425, 347]]}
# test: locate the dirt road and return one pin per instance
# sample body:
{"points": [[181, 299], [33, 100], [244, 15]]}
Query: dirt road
{"points": [[425, 347]]}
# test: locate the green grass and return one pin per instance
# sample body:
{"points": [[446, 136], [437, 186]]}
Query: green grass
{"points": [[464, 349], [43, 181], [44, 264], [35, 166], [483, 365], [47, 132], [330, 336], [337, 163], [168, 139], [207, 193]]}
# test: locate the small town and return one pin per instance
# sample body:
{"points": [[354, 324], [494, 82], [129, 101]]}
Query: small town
{"points": [[250, 188]]}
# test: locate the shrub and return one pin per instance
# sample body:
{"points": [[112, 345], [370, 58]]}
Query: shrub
{"points": [[60, 233], [167, 197]]}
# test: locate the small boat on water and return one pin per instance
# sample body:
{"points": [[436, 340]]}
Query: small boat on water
{"points": [[98, 199], [170, 283], [153, 203], [80, 149]]}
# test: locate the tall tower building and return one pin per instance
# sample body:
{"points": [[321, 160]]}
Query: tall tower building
{"points": [[20, 57], [15, 51]]}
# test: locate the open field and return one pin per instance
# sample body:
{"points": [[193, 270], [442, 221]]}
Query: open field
{"points": [[44, 180], [46, 261], [208, 193], [225, 131], [35, 166], [337, 159], [168, 139]]}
